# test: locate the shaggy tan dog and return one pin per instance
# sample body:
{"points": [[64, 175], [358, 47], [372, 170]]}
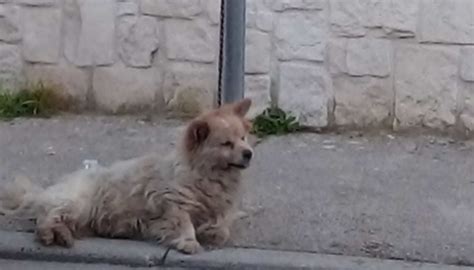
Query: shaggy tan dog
{"points": [[187, 198]]}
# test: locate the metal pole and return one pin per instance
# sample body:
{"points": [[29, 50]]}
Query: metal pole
{"points": [[233, 49]]}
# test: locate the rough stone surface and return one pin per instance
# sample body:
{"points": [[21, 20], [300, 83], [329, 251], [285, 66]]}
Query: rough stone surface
{"points": [[10, 24], [447, 21], [37, 2], [426, 85], [363, 101], [190, 41], [73, 82], [360, 57], [282, 5], [41, 34], [400, 16], [257, 88], [337, 56], [10, 67], [127, 7], [138, 40], [369, 57], [120, 88], [258, 52], [172, 8], [90, 32], [355, 18], [301, 35], [352, 40], [189, 89], [305, 92], [348, 17], [467, 114], [467, 64], [258, 16], [213, 10]]}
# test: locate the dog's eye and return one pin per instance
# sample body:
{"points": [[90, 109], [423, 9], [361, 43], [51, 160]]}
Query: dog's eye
{"points": [[243, 138], [228, 144]]}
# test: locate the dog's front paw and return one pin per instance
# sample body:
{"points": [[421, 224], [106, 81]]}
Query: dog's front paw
{"points": [[188, 246], [59, 235], [215, 236]]}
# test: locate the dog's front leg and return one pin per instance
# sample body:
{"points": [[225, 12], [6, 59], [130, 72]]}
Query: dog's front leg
{"points": [[214, 232], [55, 227], [174, 229]]}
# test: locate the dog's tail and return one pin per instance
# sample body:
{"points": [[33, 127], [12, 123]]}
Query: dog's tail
{"points": [[19, 197]]}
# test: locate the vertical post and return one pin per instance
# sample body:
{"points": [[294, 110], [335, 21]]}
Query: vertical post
{"points": [[233, 50]]}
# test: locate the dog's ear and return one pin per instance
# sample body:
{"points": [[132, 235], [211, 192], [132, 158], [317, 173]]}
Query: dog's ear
{"points": [[242, 107], [196, 133]]}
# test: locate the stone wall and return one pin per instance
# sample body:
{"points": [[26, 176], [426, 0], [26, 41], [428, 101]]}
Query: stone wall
{"points": [[399, 63]]}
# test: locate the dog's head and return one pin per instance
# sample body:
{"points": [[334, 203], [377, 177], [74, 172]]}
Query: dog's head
{"points": [[217, 140]]}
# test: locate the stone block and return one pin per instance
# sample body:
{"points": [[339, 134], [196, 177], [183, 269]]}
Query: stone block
{"points": [[41, 34], [301, 35], [305, 91], [258, 16], [258, 52], [467, 103], [127, 7], [123, 89], [190, 41], [90, 32], [257, 88], [396, 17], [282, 5], [37, 2], [348, 18], [360, 57], [172, 8], [72, 81], [369, 57], [467, 64], [10, 24], [426, 86], [400, 16], [362, 101], [213, 11], [447, 21], [189, 88], [11, 66], [337, 56], [138, 39]]}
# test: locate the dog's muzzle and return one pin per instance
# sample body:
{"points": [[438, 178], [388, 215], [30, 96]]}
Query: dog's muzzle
{"points": [[245, 162]]}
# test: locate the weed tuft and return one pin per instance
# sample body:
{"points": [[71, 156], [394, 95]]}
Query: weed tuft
{"points": [[274, 121]]}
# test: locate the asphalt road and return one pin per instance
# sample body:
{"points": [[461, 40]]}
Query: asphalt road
{"points": [[365, 195]]}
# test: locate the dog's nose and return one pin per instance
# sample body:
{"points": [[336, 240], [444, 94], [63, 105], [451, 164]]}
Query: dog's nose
{"points": [[247, 154]]}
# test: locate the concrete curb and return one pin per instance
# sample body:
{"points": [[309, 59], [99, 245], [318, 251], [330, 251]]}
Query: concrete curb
{"points": [[21, 246]]}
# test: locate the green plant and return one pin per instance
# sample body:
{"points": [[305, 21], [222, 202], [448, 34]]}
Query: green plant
{"points": [[37, 100], [274, 121]]}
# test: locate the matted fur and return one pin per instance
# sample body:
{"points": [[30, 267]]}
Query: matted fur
{"points": [[182, 200]]}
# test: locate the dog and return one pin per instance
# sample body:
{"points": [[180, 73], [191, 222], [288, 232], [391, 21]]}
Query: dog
{"points": [[184, 200]]}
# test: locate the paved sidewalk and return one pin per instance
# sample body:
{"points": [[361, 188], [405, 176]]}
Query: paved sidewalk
{"points": [[118, 254], [35, 265], [384, 196]]}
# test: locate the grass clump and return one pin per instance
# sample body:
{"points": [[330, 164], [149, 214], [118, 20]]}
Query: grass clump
{"points": [[274, 121], [36, 100]]}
